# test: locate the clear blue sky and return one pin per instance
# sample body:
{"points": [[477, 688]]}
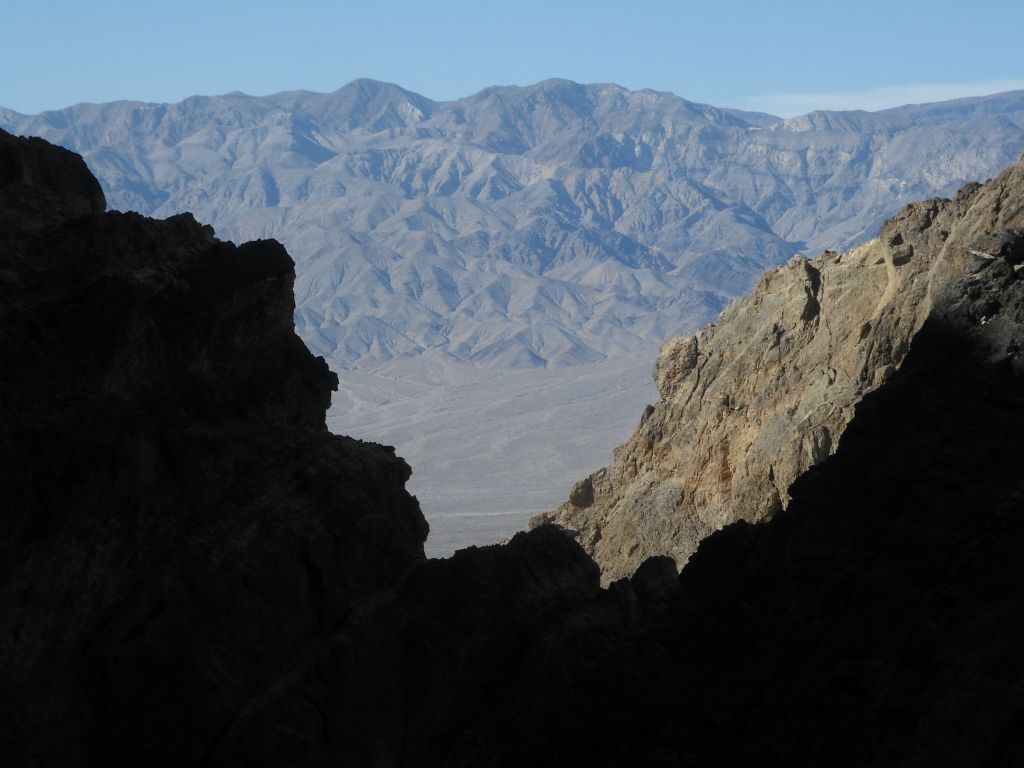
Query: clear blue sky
{"points": [[785, 56]]}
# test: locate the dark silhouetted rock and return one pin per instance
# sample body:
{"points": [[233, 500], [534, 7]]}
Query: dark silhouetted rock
{"points": [[177, 527], [41, 184]]}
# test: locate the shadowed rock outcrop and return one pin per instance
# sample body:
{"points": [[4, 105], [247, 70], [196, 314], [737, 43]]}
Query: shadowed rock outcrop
{"points": [[177, 526], [42, 184], [749, 404]]}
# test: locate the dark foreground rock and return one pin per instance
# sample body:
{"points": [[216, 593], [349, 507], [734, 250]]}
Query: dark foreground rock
{"points": [[177, 526], [194, 572]]}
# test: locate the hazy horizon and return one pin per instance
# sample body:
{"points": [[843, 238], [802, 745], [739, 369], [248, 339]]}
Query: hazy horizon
{"points": [[882, 99], [787, 59]]}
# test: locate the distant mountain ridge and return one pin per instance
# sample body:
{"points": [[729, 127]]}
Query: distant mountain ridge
{"points": [[490, 277], [553, 224]]}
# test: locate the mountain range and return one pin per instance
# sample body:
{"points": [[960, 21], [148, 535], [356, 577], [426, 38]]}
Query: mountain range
{"points": [[445, 247]]}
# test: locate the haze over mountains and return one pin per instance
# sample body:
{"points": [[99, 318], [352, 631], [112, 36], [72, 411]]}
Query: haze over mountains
{"points": [[572, 228]]}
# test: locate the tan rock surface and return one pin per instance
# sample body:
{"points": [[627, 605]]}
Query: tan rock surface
{"points": [[748, 404]]}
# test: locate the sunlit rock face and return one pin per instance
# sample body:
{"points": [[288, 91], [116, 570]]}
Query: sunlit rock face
{"points": [[749, 404]]}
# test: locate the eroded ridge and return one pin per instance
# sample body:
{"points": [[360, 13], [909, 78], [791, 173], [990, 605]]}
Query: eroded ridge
{"points": [[751, 402]]}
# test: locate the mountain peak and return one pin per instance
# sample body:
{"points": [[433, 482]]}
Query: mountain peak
{"points": [[371, 88]]}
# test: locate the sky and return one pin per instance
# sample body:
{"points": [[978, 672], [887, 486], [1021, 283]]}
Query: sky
{"points": [[786, 57]]}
